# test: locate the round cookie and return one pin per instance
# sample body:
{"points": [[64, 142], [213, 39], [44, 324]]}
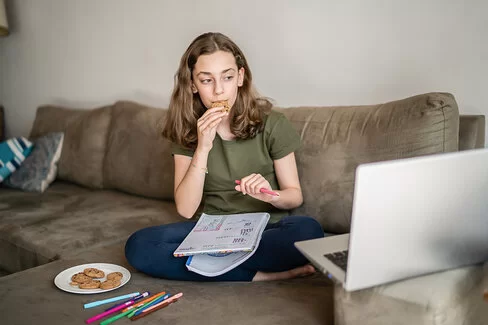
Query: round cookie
{"points": [[115, 276], [94, 273], [222, 103], [81, 278], [109, 284], [94, 284]]}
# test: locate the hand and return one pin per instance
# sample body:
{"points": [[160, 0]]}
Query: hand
{"points": [[207, 127], [252, 185]]}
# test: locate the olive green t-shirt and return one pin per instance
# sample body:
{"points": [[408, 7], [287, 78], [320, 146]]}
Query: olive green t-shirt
{"points": [[232, 160]]}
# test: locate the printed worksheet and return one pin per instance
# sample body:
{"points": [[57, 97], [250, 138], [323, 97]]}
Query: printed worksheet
{"points": [[224, 233]]}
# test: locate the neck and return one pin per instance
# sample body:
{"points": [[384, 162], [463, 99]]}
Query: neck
{"points": [[223, 130]]}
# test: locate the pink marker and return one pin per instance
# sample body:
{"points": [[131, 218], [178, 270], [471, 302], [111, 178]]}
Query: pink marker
{"points": [[110, 311], [262, 190]]}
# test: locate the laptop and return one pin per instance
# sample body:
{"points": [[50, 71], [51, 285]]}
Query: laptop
{"points": [[410, 217]]}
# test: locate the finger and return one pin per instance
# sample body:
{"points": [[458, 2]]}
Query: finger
{"points": [[239, 189], [255, 184], [215, 123], [209, 121], [244, 180], [210, 126]]}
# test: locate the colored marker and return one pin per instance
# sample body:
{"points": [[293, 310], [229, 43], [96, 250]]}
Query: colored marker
{"points": [[151, 303], [108, 312], [145, 301], [109, 300], [142, 295], [162, 304], [114, 318]]}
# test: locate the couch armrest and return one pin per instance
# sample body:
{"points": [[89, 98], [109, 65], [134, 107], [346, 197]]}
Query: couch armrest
{"points": [[471, 132]]}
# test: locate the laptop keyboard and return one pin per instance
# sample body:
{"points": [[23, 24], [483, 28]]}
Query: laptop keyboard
{"points": [[339, 258]]}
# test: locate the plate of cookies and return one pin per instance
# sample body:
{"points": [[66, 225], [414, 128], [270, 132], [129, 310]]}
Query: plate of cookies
{"points": [[92, 278]]}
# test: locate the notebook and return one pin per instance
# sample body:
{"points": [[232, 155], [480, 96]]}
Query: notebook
{"points": [[219, 243]]}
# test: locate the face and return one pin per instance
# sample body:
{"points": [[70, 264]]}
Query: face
{"points": [[216, 77]]}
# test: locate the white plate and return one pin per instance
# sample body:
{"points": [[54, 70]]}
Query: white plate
{"points": [[63, 279]]}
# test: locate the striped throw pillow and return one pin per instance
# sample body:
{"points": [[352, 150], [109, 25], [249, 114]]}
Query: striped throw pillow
{"points": [[12, 153]]}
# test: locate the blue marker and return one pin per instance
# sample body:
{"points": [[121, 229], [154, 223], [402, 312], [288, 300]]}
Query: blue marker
{"points": [[109, 300]]}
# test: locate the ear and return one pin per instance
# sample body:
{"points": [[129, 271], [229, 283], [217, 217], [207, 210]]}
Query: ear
{"points": [[194, 89], [240, 79]]}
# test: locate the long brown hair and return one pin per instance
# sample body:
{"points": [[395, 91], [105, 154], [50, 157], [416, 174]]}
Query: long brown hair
{"points": [[185, 108]]}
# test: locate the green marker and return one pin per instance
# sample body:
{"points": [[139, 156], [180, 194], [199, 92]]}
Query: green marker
{"points": [[133, 311], [113, 319]]}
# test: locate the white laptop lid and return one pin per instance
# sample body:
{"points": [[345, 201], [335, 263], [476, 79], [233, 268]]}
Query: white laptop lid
{"points": [[418, 215]]}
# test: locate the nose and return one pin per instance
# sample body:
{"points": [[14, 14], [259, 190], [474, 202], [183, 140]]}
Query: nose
{"points": [[219, 88]]}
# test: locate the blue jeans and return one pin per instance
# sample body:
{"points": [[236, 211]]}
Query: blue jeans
{"points": [[150, 250]]}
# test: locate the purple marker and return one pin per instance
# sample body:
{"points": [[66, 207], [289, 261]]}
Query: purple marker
{"points": [[142, 295]]}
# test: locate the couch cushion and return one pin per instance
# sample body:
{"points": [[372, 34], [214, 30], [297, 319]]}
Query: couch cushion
{"points": [[451, 297], [84, 145], [297, 301], [138, 158], [337, 139], [37, 228]]}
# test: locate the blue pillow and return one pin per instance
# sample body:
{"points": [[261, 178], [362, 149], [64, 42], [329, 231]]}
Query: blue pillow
{"points": [[12, 153], [39, 170]]}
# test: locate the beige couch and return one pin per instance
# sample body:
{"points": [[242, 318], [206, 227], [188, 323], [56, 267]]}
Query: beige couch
{"points": [[116, 176]]}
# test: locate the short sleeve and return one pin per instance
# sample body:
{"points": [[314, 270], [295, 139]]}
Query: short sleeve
{"points": [[282, 138], [177, 149]]}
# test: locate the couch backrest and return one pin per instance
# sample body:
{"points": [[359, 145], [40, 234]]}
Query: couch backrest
{"points": [[138, 159], [337, 139], [112, 147], [120, 147], [85, 141]]}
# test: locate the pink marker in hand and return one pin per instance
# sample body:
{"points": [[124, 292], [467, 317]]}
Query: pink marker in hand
{"points": [[262, 190]]}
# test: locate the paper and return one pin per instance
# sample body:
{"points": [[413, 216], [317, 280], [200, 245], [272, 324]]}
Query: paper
{"points": [[214, 265], [224, 234]]}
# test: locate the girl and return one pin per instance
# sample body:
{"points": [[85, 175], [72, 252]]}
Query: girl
{"points": [[214, 147]]}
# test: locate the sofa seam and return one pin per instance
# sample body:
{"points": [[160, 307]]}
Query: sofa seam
{"points": [[107, 137], [444, 122], [444, 140]]}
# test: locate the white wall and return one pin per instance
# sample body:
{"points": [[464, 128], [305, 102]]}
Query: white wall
{"points": [[308, 52]]}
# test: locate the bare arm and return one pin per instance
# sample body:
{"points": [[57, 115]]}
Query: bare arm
{"points": [[190, 172], [189, 180], [291, 191]]}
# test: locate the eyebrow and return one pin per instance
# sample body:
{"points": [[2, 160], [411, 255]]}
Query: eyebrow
{"points": [[208, 73]]}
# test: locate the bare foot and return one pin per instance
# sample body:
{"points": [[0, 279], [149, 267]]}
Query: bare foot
{"points": [[290, 274]]}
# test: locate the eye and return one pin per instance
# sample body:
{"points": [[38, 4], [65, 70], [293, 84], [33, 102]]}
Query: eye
{"points": [[228, 78], [206, 81]]}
